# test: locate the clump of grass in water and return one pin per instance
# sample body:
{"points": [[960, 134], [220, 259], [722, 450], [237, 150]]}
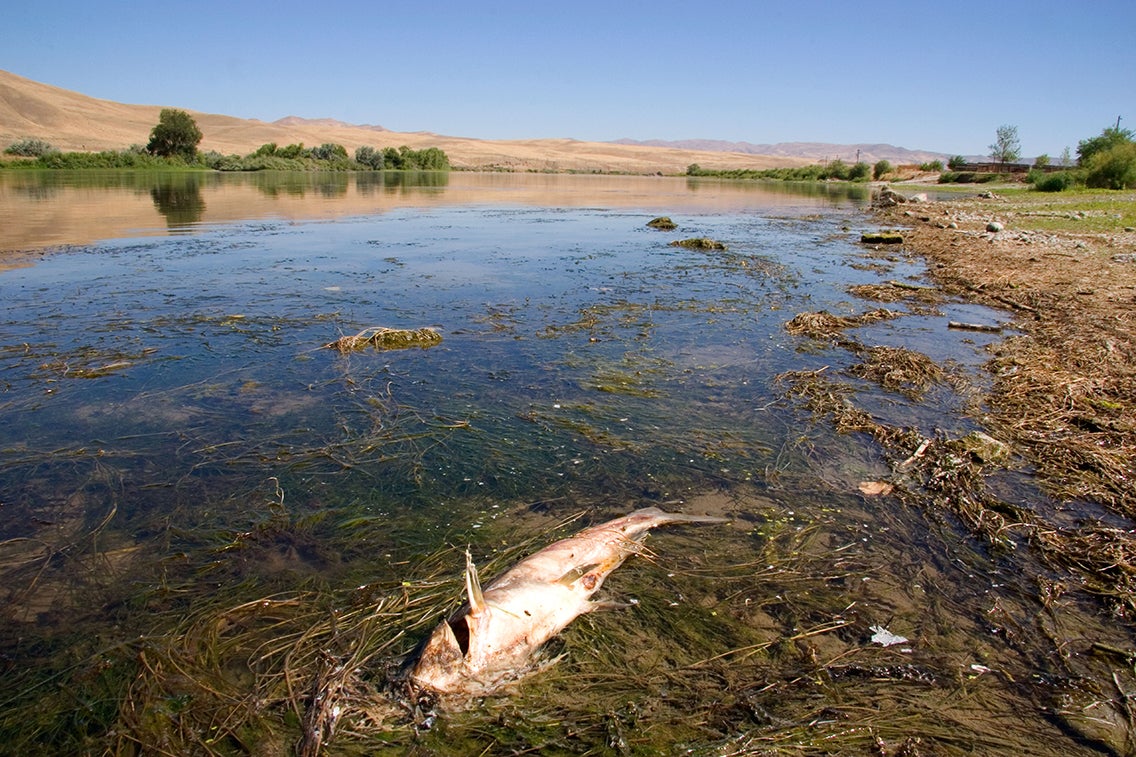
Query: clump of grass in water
{"points": [[899, 369], [699, 243], [382, 338], [825, 325]]}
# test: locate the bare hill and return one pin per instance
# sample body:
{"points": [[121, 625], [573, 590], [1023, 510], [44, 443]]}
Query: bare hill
{"points": [[811, 151], [73, 121]]}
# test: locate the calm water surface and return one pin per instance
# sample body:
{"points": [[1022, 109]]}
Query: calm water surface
{"points": [[178, 440]]}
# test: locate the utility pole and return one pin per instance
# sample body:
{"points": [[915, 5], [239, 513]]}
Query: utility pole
{"points": [[1118, 123]]}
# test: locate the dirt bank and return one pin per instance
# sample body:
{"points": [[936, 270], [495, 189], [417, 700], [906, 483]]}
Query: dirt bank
{"points": [[1065, 377]]}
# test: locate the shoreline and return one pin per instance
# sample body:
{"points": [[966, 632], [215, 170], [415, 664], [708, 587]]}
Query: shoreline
{"points": [[1064, 392], [1061, 407]]}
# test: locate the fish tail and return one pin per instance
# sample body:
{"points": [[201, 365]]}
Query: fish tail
{"points": [[661, 517]]}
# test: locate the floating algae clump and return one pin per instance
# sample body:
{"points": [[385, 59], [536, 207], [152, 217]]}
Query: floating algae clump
{"points": [[662, 222], [382, 338], [699, 243]]}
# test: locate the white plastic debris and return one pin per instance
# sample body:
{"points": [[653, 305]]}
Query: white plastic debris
{"points": [[885, 638]]}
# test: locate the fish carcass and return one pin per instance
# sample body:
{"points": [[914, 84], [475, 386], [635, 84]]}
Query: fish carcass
{"points": [[492, 638]]}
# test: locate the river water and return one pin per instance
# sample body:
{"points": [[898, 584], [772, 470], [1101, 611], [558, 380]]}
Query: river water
{"points": [[195, 487]]}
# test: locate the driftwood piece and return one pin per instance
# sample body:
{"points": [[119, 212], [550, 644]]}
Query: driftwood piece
{"points": [[989, 328]]}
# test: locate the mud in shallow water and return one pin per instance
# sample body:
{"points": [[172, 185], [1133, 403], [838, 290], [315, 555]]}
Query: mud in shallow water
{"points": [[213, 526]]}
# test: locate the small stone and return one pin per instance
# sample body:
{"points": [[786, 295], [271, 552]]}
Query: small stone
{"points": [[994, 227], [662, 222], [986, 449]]}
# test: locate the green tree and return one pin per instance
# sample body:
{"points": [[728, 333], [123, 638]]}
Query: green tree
{"points": [[1109, 138], [836, 169], [881, 168], [1114, 168], [433, 159], [176, 134], [392, 159], [956, 162], [1006, 148], [292, 151], [859, 171]]}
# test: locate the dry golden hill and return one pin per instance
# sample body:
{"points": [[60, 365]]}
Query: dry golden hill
{"points": [[72, 121]]}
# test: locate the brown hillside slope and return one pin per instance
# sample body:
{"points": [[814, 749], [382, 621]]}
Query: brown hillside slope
{"points": [[72, 121]]}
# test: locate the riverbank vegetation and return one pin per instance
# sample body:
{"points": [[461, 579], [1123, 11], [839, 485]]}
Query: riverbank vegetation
{"points": [[173, 146], [269, 157], [1107, 161], [836, 170]]}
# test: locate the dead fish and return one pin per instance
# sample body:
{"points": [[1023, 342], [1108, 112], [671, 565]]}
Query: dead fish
{"points": [[493, 637]]}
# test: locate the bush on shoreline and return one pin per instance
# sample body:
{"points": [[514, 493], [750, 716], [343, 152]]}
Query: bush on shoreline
{"points": [[835, 170], [38, 154]]}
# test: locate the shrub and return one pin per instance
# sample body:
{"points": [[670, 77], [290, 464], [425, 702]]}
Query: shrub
{"points": [[967, 177], [1114, 168], [880, 169], [1054, 182], [1041, 161], [29, 148], [859, 171], [956, 162], [369, 157], [329, 151], [934, 165], [292, 151], [836, 169]]}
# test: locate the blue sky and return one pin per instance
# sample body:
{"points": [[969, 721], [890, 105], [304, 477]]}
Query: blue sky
{"points": [[922, 75]]}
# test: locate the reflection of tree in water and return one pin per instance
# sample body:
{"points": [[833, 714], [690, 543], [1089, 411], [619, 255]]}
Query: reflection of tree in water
{"points": [[331, 186], [180, 202], [400, 182]]}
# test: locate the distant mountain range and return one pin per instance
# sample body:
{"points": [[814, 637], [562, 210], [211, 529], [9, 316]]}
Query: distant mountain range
{"points": [[812, 151], [327, 122]]}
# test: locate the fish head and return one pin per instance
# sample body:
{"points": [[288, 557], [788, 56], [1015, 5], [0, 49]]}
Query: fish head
{"points": [[441, 664], [444, 662]]}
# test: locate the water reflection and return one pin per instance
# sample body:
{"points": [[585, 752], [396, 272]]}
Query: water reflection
{"points": [[49, 208], [180, 202]]}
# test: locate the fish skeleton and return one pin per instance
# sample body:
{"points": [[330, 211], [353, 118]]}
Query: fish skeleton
{"points": [[493, 636]]}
